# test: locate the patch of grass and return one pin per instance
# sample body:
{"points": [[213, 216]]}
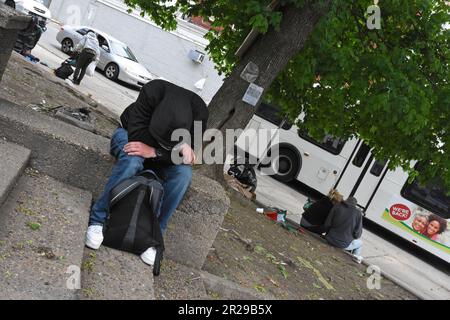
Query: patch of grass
{"points": [[89, 263], [315, 285], [260, 250], [34, 225], [318, 274], [26, 211], [214, 295], [283, 271], [259, 288], [31, 172], [271, 258], [89, 292]]}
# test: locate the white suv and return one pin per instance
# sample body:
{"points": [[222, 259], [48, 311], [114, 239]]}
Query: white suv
{"points": [[33, 7]]}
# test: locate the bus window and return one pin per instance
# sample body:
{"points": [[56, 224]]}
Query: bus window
{"points": [[331, 144], [432, 197], [378, 167], [271, 113], [361, 156]]}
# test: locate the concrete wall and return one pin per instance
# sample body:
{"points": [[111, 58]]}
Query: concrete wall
{"points": [[165, 54]]}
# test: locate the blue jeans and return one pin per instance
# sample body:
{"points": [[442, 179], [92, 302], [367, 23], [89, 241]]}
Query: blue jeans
{"points": [[355, 246], [176, 180]]}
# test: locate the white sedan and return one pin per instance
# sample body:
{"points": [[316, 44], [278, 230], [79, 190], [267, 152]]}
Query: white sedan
{"points": [[117, 60]]}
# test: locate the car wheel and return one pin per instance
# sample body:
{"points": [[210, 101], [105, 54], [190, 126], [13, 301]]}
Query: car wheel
{"points": [[11, 4], [67, 46], [112, 71]]}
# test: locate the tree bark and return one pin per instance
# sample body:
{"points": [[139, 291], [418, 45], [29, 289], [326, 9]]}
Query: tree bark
{"points": [[271, 52]]}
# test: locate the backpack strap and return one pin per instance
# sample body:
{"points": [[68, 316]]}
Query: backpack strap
{"points": [[124, 188], [158, 260]]}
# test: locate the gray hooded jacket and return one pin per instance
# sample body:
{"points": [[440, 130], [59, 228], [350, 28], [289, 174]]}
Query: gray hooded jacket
{"points": [[89, 41], [344, 224]]}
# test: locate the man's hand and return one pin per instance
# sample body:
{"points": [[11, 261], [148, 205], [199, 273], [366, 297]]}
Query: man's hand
{"points": [[187, 153], [140, 149]]}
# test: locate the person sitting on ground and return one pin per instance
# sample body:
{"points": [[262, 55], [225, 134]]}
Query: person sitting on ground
{"points": [[314, 217], [344, 227], [145, 139], [89, 51]]}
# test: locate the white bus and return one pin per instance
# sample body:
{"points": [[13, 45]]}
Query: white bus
{"points": [[418, 214]]}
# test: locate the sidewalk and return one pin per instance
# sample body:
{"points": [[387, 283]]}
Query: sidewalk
{"points": [[406, 270]]}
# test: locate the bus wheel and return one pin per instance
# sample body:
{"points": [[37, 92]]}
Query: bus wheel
{"points": [[288, 165], [11, 3]]}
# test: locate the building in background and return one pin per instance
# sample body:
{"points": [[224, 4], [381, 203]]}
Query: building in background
{"points": [[178, 56]]}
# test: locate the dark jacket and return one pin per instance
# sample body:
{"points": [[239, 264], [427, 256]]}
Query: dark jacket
{"points": [[29, 37], [344, 224], [161, 108], [318, 212]]}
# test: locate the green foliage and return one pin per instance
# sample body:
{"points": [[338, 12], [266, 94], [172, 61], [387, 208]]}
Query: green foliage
{"points": [[390, 86], [34, 225]]}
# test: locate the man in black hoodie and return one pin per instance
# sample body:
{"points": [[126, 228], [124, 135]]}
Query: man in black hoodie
{"points": [[145, 139]]}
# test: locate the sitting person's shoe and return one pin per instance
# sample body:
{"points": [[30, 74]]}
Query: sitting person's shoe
{"points": [[149, 256], [94, 237], [358, 259]]}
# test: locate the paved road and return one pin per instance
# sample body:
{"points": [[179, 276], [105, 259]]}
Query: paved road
{"points": [[413, 273]]}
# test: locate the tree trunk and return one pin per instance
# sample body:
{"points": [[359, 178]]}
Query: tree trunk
{"points": [[271, 52]]}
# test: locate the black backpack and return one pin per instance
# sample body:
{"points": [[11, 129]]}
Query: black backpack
{"points": [[245, 174], [133, 224], [64, 71]]}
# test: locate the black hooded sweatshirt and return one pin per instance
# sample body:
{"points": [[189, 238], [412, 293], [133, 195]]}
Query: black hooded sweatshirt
{"points": [[161, 108]]}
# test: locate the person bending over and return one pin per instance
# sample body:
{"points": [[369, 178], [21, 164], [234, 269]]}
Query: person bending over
{"points": [[144, 139]]}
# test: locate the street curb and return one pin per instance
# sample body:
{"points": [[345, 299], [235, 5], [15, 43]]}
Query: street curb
{"points": [[398, 282]]}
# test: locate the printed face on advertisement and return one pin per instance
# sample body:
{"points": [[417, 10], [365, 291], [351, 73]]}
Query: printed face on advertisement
{"points": [[420, 223], [433, 228]]}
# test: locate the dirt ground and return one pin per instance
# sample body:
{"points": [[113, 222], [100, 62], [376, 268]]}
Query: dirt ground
{"points": [[29, 85], [250, 249], [258, 253]]}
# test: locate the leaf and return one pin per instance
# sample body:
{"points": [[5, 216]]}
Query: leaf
{"points": [[283, 271], [259, 288], [34, 225]]}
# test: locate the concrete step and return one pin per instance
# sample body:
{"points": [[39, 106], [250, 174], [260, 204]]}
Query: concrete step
{"points": [[108, 274], [62, 151], [42, 228], [14, 159]]}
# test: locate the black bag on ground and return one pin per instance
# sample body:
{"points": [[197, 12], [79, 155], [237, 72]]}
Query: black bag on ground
{"points": [[133, 224], [64, 71], [245, 174]]}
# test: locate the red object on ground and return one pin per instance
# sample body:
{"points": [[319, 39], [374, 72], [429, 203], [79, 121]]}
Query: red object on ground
{"points": [[272, 215]]}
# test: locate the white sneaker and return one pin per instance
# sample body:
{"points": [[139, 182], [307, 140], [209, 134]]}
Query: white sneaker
{"points": [[358, 259], [149, 256], [94, 237]]}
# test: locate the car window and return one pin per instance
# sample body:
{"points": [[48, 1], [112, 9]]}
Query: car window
{"points": [[83, 31], [103, 42], [122, 51]]}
